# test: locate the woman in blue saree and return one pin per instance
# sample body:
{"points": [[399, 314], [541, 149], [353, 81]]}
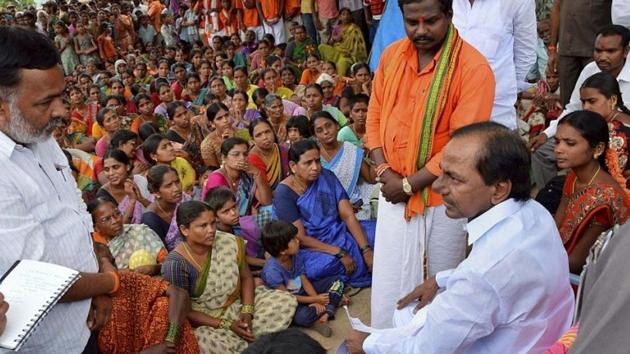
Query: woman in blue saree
{"points": [[347, 162], [313, 199]]}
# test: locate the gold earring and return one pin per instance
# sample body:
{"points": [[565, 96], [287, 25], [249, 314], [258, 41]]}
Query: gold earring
{"points": [[596, 156]]}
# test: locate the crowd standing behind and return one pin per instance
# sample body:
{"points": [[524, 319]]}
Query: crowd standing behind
{"points": [[219, 170]]}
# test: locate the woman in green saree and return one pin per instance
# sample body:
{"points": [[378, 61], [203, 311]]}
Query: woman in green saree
{"points": [[347, 45], [228, 311]]}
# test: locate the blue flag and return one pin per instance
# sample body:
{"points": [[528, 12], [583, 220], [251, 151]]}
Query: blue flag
{"points": [[390, 29]]}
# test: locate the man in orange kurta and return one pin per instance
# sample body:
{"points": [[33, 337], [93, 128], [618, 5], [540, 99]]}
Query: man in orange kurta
{"points": [[271, 13], [248, 17], [414, 237]]}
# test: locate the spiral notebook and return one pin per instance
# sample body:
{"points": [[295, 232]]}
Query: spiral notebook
{"points": [[31, 288]]}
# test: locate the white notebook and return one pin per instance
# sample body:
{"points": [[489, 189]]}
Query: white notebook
{"points": [[31, 288]]}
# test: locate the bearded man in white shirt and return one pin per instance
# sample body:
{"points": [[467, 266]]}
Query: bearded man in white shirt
{"points": [[505, 33], [512, 293], [42, 215]]}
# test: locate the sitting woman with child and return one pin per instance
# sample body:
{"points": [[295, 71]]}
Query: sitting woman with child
{"points": [[332, 238], [592, 201], [228, 311], [134, 247], [247, 182]]}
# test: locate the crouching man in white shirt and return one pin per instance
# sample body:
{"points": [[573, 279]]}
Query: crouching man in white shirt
{"points": [[512, 293]]}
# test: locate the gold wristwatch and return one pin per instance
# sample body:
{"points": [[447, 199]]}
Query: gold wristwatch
{"points": [[406, 186]]}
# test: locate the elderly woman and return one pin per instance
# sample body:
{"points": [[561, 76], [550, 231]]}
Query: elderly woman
{"points": [[276, 116], [331, 237], [136, 247], [228, 311]]}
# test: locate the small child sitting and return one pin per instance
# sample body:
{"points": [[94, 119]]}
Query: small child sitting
{"points": [[223, 202], [317, 300]]}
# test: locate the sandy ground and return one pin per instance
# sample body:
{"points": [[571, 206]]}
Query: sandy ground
{"points": [[359, 307]]}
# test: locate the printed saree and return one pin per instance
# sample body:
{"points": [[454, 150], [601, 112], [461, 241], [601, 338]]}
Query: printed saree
{"points": [[601, 203], [139, 318], [217, 294], [134, 238]]}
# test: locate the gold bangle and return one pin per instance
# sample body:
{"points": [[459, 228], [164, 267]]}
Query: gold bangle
{"points": [[247, 309]]}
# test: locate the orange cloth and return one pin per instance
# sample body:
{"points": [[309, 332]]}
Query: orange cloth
{"points": [[139, 318], [106, 44], [250, 15], [154, 12], [339, 86], [308, 77], [397, 106], [292, 7], [270, 9], [228, 21]]}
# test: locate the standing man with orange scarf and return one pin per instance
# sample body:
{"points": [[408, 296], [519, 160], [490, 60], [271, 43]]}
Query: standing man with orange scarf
{"points": [[426, 86]]}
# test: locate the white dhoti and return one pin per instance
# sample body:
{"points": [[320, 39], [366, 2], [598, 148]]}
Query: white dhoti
{"points": [[277, 31], [399, 251]]}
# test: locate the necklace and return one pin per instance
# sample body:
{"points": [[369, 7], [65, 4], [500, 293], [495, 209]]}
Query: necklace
{"points": [[233, 183], [190, 255], [591, 180], [329, 155], [157, 203]]}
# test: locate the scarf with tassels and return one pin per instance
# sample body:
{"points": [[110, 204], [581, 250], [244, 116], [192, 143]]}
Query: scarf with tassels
{"points": [[438, 92]]}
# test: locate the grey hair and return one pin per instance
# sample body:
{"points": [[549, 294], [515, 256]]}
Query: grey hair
{"points": [[271, 98]]}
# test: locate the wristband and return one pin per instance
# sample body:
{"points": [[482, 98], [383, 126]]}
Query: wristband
{"points": [[365, 248], [341, 253], [173, 333], [116, 279], [247, 309], [225, 324]]}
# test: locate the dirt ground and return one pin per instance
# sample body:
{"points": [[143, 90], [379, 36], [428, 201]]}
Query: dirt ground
{"points": [[359, 307]]}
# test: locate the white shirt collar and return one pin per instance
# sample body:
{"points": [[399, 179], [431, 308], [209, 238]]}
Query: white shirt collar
{"points": [[7, 145], [486, 221], [624, 74]]}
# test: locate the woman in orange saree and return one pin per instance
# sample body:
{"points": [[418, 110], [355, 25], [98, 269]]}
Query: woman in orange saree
{"points": [[145, 313], [592, 201]]}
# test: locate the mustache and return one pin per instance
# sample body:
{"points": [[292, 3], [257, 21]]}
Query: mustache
{"points": [[423, 39]]}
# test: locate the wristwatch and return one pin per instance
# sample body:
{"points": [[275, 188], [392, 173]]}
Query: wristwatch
{"points": [[406, 186]]}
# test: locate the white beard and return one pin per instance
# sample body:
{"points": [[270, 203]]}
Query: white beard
{"points": [[21, 131]]}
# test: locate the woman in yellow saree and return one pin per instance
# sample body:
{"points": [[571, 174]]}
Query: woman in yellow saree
{"points": [[348, 44], [228, 311]]}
